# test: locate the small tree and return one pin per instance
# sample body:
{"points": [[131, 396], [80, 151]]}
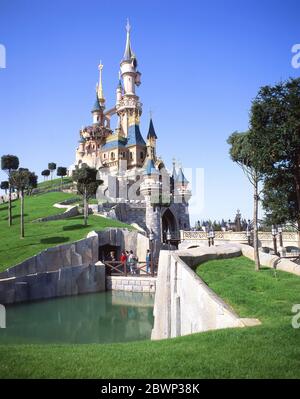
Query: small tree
{"points": [[8, 164], [61, 172], [52, 168], [23, 180], [4, 186], [243, 153], [87, 185], [45, 173]]}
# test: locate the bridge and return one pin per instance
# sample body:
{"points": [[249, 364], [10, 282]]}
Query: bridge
{"points": [[191, 239]]}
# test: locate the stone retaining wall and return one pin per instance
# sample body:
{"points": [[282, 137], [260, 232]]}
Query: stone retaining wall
{"points": [[71, 212], [271, 261], [131, 284], [66, 281], [184, 304], [78, 253]]}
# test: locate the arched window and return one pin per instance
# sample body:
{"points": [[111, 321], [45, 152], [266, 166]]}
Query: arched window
{"points": [[112, 155], [131, 155]]}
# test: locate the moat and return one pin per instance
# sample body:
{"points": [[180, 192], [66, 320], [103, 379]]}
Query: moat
{"points": [[105, 317]]}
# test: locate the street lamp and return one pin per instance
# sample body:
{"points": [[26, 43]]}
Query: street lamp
{"points": [[274, 234], [211, 236], [169, 238], [151, 238], [279, 229], [248, 233]]}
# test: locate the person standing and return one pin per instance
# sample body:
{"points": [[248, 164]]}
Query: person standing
{"points": [[123, 260], [132, 263], [148, 261]]}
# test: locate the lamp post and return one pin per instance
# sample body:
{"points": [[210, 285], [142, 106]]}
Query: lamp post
{"points": [[279, 229], [151, 238], [211, 236], [248, 233], [274, 234]]}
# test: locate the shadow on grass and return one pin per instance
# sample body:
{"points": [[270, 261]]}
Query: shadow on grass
{"points": [[54, 240], [4, 207], [74, 227]]}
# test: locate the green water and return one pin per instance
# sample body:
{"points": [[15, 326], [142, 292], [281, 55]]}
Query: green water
{"points": [[93, 318]]}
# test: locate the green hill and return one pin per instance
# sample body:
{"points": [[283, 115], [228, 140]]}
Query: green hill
{"points": [[42, 235]]}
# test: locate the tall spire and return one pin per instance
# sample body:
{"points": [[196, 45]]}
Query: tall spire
{"points": [[128, 52], [99, 86]]}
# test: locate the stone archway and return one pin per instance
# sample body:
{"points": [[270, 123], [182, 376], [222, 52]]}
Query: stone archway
{"points": [[169, 222]]}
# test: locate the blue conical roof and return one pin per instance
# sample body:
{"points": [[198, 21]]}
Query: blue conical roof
{"points": [[151, 131], [150, 168], [180, 178], [97, 106]]}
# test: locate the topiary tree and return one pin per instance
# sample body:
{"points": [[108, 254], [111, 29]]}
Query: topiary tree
{"points": [[87, 185], [61, 172], [23, 180], [8, 164], [45, 173], [52, 168], [4, 186]]}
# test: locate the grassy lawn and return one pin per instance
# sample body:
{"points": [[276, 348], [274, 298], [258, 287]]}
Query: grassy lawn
{"points": [[271, 350], [39, 236]]}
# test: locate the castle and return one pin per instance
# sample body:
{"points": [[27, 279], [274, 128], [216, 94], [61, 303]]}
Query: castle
{"points": [[137, 187]]}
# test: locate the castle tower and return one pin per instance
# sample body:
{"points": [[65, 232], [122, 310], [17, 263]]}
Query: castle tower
{"points": [[182, 195], [128, 106], [150, 189]]}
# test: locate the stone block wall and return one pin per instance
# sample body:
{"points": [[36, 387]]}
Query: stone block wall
{"points": [[131, 284], [73, 280], [78, 253]]}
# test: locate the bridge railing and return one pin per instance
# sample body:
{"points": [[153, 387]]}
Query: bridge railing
{"points": [[288, 237]]}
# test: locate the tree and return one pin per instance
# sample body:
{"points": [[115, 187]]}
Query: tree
{"points": [[22, 179], [243, 153], [4, 186], [52, 168], [45, 173], [8, 164], [275, 133], [61, 172], [280, 199], [87, 185]]}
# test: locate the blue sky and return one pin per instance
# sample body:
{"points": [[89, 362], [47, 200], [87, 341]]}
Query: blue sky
{"points": [[202, 62]]}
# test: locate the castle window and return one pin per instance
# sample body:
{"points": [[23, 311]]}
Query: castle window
{"points": [[141, 155], [131, 155], [112, 155], [104, 155]]}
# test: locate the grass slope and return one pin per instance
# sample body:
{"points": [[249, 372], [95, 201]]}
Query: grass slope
{"points": [[271, 350], [39, 236]]}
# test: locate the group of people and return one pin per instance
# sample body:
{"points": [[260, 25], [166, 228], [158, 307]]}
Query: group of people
{"points": [[130, 261]]}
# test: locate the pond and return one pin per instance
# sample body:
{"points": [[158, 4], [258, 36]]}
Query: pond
{"points": [[106, 317]]}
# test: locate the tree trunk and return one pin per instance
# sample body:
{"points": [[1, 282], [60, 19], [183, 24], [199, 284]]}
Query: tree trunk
{"points": [[297, 181], [61, 188], [22, 213], [9, 206], [85, 207], [255, 226]]}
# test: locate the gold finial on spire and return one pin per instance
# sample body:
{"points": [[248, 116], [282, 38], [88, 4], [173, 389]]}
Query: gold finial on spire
{"points": [[99, 86]]}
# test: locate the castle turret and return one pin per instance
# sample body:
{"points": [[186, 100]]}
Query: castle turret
{"points": [[151, 142], [182, 195]]}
